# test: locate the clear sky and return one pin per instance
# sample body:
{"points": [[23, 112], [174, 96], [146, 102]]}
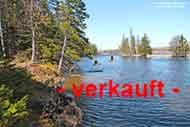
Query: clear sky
{"points": [[160, 19]]}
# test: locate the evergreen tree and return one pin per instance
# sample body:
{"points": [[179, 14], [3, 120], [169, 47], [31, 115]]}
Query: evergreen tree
{"points": [[137, 44], [132, 43], [144, 47], [72, 15], [124, 48]]}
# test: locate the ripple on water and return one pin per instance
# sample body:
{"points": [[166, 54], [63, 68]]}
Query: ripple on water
{"points": [[170, 111]]}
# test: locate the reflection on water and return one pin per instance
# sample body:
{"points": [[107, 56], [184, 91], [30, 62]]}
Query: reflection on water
{"points": [[172, 110], [73, 79]]}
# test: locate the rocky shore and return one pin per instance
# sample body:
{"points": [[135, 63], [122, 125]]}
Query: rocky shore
{"points": [[49, 108], [63, 110]]}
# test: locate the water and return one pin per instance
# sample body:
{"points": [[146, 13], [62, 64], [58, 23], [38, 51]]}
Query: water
{"points": [[171, 111]]}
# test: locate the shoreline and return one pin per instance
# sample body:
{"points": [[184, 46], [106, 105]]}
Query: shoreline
{"points": [[155, 56], [149, 56], [159, 56]]}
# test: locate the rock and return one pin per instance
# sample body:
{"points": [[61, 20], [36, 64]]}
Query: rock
{"points": [[62, 109]]}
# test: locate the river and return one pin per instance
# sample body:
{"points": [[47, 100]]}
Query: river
{"points": [[173, 110]]}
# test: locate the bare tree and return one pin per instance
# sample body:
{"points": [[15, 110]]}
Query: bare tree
{"points": [[174, 43]]}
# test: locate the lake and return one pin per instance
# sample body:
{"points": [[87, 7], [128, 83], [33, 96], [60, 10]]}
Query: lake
{"points": [[171, 110]]}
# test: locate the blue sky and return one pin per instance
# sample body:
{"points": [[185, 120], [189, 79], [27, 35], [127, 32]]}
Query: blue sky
{"points": [[160, 19]]}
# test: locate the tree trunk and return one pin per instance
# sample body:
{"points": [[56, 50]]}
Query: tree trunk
{"points": [[62, 54], [33, 46], [2, 40], [33, 33]]}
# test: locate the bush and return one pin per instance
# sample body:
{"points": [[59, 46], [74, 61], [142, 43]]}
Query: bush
{"points": [[23, 56], [12, 110]]}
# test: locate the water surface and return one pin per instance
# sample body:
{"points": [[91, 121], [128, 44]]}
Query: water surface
{"points": [[171, 111]]}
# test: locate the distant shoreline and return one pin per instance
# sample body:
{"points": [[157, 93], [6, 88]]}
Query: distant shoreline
{"points": [[160, 52], [150, 56], [160, 55], [156, 52]]}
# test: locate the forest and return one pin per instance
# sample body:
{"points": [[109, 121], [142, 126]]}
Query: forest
{"points": [[44, 30], [40, 40]]}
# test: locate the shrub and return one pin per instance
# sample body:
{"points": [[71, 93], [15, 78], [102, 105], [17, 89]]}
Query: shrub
{"points": [[12, 110]]}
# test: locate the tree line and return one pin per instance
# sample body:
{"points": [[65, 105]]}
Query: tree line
{"points": [[132, 45], [179, 46], [44, 30]]}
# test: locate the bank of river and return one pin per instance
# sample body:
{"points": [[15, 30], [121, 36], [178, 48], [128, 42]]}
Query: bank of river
{"points": [[171, 110]]}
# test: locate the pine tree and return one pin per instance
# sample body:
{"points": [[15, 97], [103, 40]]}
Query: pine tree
{"points": [[35, 12], [65, 24], [184, 46], [138, 44], [124, 48], [144, 48], [132, 43], [72, 16]]}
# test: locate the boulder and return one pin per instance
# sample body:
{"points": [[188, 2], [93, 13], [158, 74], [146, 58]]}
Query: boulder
{"points": [[63, 110]]}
